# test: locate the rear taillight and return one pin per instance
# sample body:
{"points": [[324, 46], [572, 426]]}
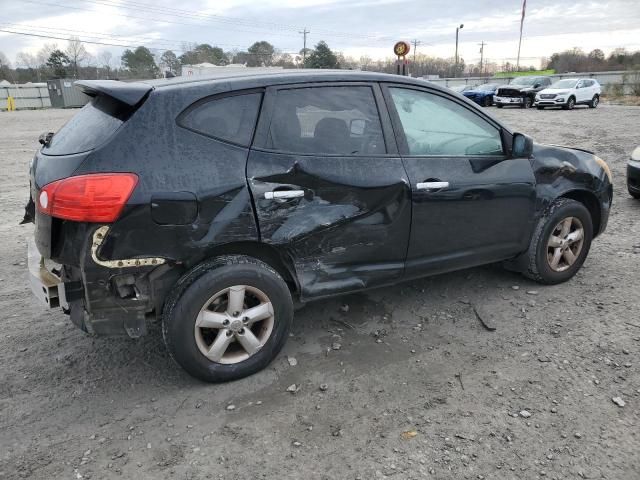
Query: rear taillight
{"points": [[98, 197]]}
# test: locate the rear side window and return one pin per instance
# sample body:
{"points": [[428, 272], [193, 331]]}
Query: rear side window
{"points": [[231, 119], [89, 128], [326, 120]]}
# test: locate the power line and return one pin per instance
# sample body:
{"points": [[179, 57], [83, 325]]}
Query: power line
{"points": [[59, 36]]}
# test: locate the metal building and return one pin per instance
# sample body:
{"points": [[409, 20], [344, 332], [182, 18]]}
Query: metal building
{"points": [[64, 95]]}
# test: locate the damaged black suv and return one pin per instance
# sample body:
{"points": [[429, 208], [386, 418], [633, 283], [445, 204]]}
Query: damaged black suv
{"points": [[214, 205]]}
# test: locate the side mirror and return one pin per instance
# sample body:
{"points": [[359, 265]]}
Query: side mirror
{"points": [[521, 146]]}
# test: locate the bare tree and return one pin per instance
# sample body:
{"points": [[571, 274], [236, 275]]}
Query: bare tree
{"points": [[45, 52], [29, 61], [77, 53]]}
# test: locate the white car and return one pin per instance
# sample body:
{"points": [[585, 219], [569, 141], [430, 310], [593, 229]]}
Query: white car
{"points": [[568, 93]]}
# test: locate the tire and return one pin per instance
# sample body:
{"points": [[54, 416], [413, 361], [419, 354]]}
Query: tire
{"points": [[635, 195], [486, 102], [499, 106], [538, 259], [570, 104], [540, 107], [594, 101], [526, 102], [256, 280]]}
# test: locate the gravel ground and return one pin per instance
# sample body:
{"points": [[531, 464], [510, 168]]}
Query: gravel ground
{"points": [[417, 387]]}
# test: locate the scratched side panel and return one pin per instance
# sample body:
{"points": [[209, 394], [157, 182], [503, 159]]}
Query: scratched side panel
{"points": [[351, 228]]}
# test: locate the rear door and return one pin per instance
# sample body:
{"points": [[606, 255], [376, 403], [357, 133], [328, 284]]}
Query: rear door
{"points": [[329, 187], [471, 203]]}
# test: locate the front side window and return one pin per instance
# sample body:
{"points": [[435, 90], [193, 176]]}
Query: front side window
{"points": [[435, 125], [231, 119], [326, 120]]}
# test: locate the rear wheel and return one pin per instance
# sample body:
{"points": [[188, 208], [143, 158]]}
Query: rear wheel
{"points": [[527, 101], [227, 318], [560, 243], [594, 101]]}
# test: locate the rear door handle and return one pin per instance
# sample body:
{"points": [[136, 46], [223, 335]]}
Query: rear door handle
{"points": [[283, 194], [431, 185]]}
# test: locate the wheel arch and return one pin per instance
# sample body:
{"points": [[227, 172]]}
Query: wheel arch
{"points": [[590, 201], [263, 252]]}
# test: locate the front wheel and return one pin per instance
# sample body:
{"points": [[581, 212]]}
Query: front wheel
{"points": [[560, 243], [227, 318], [570, 104], [594, 101], [527, 102], [486, 102]]}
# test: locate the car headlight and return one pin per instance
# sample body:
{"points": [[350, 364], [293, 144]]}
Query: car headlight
{"points": [[605, 167]]}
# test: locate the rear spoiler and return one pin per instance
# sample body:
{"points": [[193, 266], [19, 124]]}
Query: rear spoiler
{"points": [[129, 93]]}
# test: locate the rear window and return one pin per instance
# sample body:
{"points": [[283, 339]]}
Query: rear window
{"points": [[231, 119], [88, 129]]}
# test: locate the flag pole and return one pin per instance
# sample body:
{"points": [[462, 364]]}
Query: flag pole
{"points": [[524, 5]]}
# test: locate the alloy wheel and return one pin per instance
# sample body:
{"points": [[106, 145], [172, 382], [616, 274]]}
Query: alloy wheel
{"points": [[234, 324], [565, 244]]}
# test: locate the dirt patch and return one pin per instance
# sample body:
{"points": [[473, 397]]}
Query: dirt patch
{"points": [[532, 399]]}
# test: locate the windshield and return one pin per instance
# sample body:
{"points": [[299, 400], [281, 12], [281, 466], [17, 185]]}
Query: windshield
{"points": [[486, 87], [524, 81], [564, 84]]}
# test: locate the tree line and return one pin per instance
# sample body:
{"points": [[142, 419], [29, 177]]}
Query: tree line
{"points": [[74, 60]]}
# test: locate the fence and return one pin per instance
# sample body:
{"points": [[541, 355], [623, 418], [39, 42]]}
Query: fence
{"points": [[622, 81], [26, 96]]}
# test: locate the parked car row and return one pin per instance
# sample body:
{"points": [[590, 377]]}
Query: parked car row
{"points": [[529, 91]]}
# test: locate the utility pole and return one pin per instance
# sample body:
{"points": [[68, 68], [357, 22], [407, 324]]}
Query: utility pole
{"points": [[481, 55], [415, 50], [304, 45]]}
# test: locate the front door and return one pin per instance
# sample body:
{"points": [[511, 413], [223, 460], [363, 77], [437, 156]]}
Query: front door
{"points": [[329, 187], [471, 204]]}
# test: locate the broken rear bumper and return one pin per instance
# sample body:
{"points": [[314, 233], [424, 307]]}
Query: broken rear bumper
{"points": [[103, 297], [44, 279]]}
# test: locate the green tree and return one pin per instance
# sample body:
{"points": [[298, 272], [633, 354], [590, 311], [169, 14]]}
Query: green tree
{"points": [[140, 63], [58, 62], [170, 62], [321, 57], [204, 53], [260, 54]]}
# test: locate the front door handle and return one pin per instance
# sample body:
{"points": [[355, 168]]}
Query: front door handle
{"points": [[431, 185], [283, 194]]}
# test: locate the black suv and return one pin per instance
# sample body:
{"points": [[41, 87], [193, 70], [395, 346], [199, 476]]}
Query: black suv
{"points": [[521, 91], [214, 205]]}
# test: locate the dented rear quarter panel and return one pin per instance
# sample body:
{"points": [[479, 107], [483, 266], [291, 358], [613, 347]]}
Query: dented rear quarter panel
{"points": [[168, 159]]}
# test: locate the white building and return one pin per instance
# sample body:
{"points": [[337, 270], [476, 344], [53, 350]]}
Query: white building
{"points": [[209, 69]]}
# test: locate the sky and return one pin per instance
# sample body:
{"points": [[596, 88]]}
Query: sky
{"points": [[355, 28]]}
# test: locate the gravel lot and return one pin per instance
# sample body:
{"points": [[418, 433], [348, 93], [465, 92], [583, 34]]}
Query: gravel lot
{"points": [[418, 388]]}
